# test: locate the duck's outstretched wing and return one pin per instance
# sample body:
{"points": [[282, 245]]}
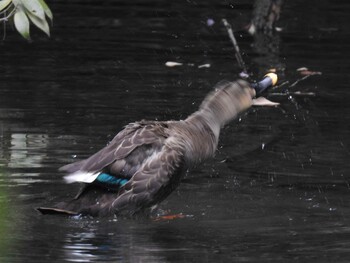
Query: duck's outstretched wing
{"points": [[153, 182], [134, 135]]}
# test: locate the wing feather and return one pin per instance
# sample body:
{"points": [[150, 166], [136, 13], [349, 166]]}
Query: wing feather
{"points": [[153, 182], [125, 142]]}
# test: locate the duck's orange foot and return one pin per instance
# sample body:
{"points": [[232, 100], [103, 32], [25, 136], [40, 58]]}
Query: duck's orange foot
{"points": [[170, 217]]}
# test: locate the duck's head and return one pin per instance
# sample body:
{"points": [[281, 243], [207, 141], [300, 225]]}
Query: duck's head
{"points": [[230, 98]]}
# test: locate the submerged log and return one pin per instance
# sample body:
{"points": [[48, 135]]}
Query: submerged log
{"points": [[265, 14]]}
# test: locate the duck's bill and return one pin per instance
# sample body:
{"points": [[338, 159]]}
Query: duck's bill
{"points": [[261, 101], [269, 80]]}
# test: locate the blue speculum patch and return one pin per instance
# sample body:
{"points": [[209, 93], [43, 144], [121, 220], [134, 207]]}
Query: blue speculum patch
{"points": [[110, 179]]}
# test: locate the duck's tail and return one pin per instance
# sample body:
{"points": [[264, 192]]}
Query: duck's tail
{"points": [[56, 211], [91, 200]]}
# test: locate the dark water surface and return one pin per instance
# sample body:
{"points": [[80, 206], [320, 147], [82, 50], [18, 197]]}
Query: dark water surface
{"points": [[278, 189]]}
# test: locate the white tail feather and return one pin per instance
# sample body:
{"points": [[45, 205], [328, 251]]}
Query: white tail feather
{"points": [[81, 176]]}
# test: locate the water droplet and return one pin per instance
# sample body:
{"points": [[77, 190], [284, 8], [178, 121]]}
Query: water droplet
{"points": [[210, 22]]}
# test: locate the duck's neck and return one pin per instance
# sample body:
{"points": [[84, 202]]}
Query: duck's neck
{"points": [[218, 108], [200, 137], [226, 101], [204, 122]]}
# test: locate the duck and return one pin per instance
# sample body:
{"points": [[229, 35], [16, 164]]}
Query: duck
{"points": [[145, 162]]}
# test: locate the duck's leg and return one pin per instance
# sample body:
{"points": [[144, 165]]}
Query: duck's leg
{"points": [[81, 191]]}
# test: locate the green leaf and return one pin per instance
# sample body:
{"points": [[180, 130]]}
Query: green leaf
{"points": [[17, 2], [40, 23], [4, 4], [34, 7], [46, 9], [22, 23]]}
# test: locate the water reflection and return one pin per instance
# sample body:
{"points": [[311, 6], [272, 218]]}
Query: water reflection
{"points": [[4, 224], [27, 150], [112, 242], [78, 247], [24, 157]]}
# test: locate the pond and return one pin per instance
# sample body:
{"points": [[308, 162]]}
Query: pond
{"points": [[276, 191]]}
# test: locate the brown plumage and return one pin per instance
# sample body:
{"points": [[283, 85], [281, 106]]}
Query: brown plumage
{"points": [[152, 156]]}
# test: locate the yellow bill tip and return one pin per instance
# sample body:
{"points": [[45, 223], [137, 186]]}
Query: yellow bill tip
{"points": [[273, 77]]}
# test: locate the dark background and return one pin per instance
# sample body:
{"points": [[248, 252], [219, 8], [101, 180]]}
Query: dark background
{"points": [[278, 188]]}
